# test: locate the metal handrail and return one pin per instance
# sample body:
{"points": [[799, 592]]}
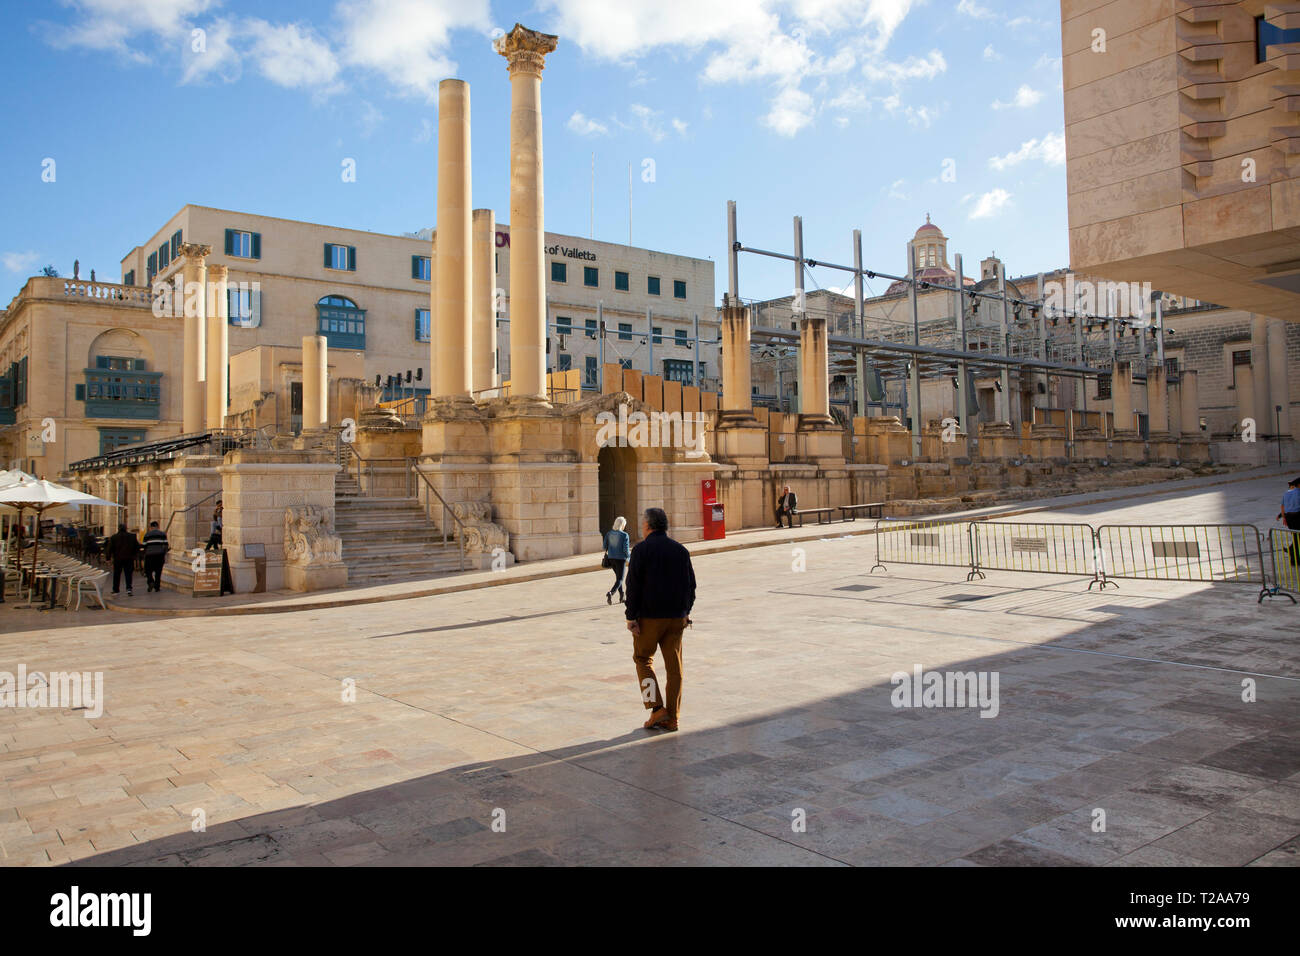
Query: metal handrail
{"points": [[446, 510], [178, 511]]}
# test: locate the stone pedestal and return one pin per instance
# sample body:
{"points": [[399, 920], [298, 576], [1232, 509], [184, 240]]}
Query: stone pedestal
{"points": [[886, 440], [998, 441], [1089, 444], [1050, 441]]}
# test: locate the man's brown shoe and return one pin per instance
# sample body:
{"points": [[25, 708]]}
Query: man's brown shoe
{"points": [[669, 725], [657, 717]]}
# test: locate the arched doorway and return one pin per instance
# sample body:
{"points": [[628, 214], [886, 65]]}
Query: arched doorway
{"points": [[617, 484]]}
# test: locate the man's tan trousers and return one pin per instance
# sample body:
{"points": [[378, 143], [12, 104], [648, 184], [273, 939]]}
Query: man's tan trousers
{"points": [[663, 634]]}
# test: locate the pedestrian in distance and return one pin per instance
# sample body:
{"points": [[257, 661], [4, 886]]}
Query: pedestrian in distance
{"points": [[787, 505], [660, 595], [123, 548], [618, 547], [1289, 514], [155, 553], [214, 539]]}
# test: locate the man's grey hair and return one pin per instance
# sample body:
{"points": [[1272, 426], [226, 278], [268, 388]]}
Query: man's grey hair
{"points": [[657, 519]]}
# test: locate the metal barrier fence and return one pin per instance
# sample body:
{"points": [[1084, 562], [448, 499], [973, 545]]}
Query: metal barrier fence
{"points": [[1040, 547], [1212, 553], [1284, 544], [928, 541]]}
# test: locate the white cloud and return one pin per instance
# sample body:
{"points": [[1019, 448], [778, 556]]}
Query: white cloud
{"points": [[1050, 150], [21, 262], [1026, 96], [215, 56], [973, 9], [990, 204], [112, 25], [408, 41], [791, 111], [291, 55], [913, 68], [424, 133], [583, 126], [991, 54], [680, 126], [895, 189]]}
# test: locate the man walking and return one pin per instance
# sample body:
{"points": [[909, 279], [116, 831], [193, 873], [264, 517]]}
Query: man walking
{"points": [[123, 547], [660, 595], [1290, 515], [155, 553], [786, 505]]}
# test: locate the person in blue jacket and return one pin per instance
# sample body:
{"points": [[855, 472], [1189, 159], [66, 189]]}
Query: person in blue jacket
{"points": [[618, 548]]}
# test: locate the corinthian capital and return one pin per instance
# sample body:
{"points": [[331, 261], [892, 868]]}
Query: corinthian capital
{"points": [[525, 50], [194, 250]]}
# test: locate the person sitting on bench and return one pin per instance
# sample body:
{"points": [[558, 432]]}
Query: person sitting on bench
{"points": [[787, 504]]}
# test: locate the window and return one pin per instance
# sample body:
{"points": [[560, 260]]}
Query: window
{"points": [[129, 278], [657, 334], [564, 360], [18, 382], [679, 289], [590, 277], [243, 306], [1103, 386], [422, 324], [1267, 35], [110, 439], [176, 243], [621, 282], [152, 269], [341, 322], [652, 285], [340, 257], [420, 268], [164, 255], [677, 370], [591, 328], [590, 372], [625, 331], [245, 245], [680, 335], [563, 325], [625, 363], [1171, 368], [1240, 359], [559, 272], [120, 387]]}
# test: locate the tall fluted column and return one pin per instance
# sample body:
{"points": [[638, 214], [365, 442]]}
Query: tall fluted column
{"points": [[218, 346], [484, 340], [525, 51], [450, 346], [315, 382], [194, 303]]}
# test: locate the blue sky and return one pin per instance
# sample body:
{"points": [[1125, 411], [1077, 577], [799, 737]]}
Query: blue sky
{"points": [[842, 111]]}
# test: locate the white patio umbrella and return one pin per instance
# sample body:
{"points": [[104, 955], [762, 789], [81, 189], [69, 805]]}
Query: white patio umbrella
{"points": [[40, 496]]}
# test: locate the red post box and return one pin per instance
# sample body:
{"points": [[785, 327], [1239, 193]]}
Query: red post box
{"points": [[715, 525]]}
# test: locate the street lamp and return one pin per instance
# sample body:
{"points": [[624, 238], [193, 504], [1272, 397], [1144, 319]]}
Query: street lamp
{"points": [[1277, 418]]}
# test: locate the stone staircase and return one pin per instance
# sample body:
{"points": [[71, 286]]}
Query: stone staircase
{"points": [[386, 539]]}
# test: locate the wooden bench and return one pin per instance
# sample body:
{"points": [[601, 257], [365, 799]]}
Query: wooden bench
{"points": [[872, 509], [815, 511]]}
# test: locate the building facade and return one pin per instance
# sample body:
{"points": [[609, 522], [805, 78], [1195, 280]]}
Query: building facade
{"points": [[102, 362]]}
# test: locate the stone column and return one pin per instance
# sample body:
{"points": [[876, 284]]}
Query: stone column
{"points": [[814, 355], [315, 383], [1261, 410], [1277, 380], [1189, 398], [1121, 398], [525, 50], [218, 347], [193, 370], [484, 344], [450, 354], [1157, 402]]}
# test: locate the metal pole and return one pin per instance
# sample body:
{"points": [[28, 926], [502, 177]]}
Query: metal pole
{"points": [[859, 322], [1160, 329], [600, 346], [800, 308], [916, 359], [733, 256], [963, 375], [1005, 380], [650, 338], [696, 375]]}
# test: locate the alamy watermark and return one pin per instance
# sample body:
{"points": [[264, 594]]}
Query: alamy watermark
{"points": [[637, 429], [72, 690], [946, 689]]}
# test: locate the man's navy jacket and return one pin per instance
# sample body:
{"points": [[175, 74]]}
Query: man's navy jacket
{"points": [[660, 579]]}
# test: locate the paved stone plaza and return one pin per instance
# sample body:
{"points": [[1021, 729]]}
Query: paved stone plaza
{"points": [[518, 704]]}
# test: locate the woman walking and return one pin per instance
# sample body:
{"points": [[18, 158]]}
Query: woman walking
{"points": [[618, 548], [214, 539]]}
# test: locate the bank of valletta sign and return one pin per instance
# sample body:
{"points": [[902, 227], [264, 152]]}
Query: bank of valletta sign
{"points": [[569, 252]]}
